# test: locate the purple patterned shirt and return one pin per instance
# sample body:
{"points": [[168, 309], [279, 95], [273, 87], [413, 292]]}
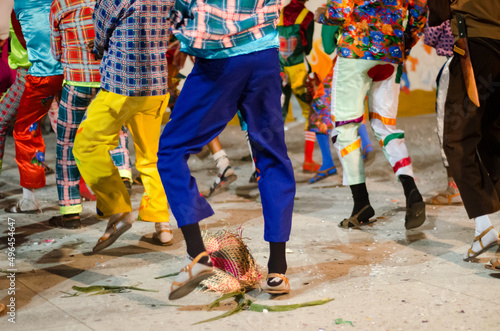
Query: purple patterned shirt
{"points": [[440, 37]]}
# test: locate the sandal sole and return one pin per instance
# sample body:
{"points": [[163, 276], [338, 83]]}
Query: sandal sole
{"points": [[158, 242], [492, 244], [223, 186], [493, 265], [277, 291], [29, 212], [189, 285], [323, 175], [112, 238]]}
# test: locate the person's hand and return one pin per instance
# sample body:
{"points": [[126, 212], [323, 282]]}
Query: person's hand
{"points": [[90, 46], [320, 11]]}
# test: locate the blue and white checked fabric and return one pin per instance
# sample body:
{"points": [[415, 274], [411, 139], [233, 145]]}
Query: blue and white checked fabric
{"points": [[132, 37]]}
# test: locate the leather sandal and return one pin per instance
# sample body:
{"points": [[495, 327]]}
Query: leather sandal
{"points": [[353, 222], [158, 241], [221, 183], [493, 265], [471, 254], [190, 277], [444, 199], [323, 174], [119, 227]]}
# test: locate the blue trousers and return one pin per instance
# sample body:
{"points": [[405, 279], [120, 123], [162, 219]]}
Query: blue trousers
{"points": [[211, 95]]}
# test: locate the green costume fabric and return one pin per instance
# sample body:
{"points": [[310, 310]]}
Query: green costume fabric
{"points": [[18, 55]]}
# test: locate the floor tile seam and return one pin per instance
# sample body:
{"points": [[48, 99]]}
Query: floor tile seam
{"points": [[54, 305]]}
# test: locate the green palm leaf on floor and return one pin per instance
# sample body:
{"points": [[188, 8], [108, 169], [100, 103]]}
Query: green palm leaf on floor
{"points": [[246, 304], [106, 289]]}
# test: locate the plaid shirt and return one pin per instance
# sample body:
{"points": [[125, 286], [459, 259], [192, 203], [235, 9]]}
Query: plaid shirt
{"points": [[373, 30], [218, 24], [72, 28], [132, 37]]}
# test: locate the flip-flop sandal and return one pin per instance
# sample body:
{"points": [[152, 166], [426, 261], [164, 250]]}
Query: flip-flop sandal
{"points": [[138, 180], [119, 228], [192, 282], [415, 214], [222, 184], [493, 265], [61, 221], [157, 241], [353, 222], [323, 174], [471, 254]]}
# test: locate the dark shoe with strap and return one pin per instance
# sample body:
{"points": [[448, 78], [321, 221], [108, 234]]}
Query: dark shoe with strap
{"points": [[69, 221], [415, 210], [222, 182], [362, 217]]}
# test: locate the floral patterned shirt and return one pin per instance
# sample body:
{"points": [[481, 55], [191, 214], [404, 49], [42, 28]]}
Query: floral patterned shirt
{"points": [[374, 30]]}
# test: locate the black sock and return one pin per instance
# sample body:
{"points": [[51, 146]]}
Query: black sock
{"points": [[277, 258], [409, 187], [360, 197], [194, 242]]}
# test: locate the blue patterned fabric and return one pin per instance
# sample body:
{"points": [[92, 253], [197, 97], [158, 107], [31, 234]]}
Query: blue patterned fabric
{"points": [[132, 37]]}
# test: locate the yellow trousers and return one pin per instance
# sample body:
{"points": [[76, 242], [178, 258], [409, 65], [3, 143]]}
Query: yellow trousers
{"points": [[99, 134]]}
